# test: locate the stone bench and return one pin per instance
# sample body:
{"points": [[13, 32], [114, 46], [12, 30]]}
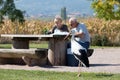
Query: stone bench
{"points": [[29, 56]]}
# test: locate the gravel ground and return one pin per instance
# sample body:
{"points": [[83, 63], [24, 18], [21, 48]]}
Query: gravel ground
{"points": [[105, 60]]}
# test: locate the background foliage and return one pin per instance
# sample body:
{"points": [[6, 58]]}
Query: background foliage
{"points": [[107, 9], [9, 10]]}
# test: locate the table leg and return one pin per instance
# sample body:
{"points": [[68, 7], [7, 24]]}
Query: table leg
{"points": [[57, 52], [20, 44]]}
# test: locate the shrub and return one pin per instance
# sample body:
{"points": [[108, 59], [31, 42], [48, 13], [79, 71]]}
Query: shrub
{"points": [[98, 40]]}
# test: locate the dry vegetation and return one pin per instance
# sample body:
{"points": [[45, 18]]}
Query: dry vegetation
{"points": [[108, 30]]}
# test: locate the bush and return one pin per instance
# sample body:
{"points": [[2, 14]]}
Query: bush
{"points": [[95, 40], [116, 40], [98, 40]]}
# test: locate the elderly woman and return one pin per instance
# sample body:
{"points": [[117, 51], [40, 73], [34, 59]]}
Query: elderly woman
{"points": [[59, 26]]}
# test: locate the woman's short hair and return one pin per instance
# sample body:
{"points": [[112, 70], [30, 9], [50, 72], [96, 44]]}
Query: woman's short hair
{"points": [[57, 18]]}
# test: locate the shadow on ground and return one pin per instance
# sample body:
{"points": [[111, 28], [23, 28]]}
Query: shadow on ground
{"points": [[95, 65]]}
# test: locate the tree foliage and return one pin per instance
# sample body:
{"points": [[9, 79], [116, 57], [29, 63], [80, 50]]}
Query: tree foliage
{"points": [[8, 9], [107, 9]]}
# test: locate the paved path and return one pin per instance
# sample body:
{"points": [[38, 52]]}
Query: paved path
{"points": [[103, 60]]}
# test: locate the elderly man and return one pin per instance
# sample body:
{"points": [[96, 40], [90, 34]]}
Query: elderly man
{"points": [[81, 33], [80, 41]]}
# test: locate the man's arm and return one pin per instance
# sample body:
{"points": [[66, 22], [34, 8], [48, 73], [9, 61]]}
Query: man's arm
{"points": [[79, 34], [66, 37]]}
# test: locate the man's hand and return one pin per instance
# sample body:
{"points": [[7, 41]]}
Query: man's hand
{"points": [[67, 36]]}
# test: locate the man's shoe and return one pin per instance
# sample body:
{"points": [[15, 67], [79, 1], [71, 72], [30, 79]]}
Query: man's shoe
{"points": [[82, 58]]}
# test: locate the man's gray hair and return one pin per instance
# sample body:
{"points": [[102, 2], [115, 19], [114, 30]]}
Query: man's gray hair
{"points": [[72, 19]]}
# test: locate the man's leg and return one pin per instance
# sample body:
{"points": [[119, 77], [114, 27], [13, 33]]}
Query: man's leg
{"points": [[84, 57]]}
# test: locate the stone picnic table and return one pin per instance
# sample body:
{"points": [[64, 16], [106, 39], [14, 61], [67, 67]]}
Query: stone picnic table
{"points": [[56, 45]]}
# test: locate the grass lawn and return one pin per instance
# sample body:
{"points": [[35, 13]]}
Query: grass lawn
{"points": [[50, 75], [32, 45]]}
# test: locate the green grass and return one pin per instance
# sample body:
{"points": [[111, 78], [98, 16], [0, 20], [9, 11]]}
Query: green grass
{"points": [[32, 45], [5, 46], [39, 45], [50, 75]]}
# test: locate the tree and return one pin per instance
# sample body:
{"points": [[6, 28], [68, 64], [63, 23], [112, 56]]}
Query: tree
{"points": [[107, 9], [8, 8]]}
